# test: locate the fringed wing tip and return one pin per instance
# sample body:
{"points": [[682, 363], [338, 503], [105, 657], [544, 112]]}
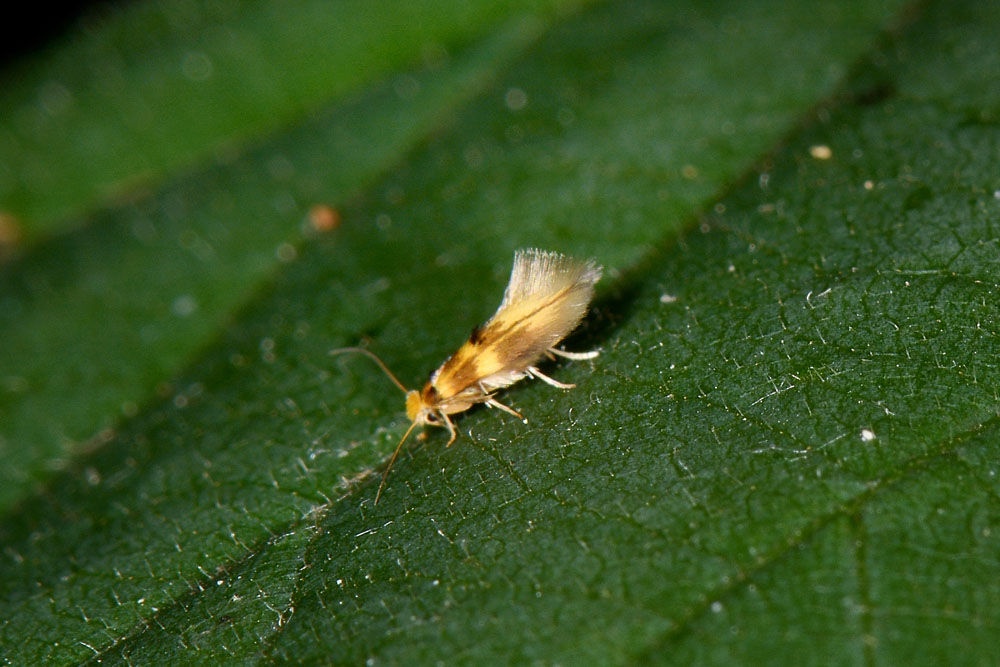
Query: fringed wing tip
{"points": [[538, 271]]}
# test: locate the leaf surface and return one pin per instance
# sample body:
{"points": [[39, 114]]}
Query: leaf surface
{"points": [[787, 443]]}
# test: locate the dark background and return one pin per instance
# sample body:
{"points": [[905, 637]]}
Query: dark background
{"points": [[36, 25]]}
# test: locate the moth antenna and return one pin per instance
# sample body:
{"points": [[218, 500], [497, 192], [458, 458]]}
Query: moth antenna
{"points": [[371, 355], [385, 474]]}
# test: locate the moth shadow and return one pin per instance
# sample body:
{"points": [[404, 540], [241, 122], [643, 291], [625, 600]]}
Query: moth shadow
{"points": [[607, 313]]}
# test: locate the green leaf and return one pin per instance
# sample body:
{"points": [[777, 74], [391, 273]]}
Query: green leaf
{"points": [[146, 90], [166, 274], [783, 453]]}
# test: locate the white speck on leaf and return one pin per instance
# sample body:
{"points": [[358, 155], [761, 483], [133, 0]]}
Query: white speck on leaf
{"points": [[820, 152]]}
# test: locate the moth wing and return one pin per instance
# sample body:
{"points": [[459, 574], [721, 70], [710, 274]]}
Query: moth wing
{"points": [[547, 296], [538, 273]]}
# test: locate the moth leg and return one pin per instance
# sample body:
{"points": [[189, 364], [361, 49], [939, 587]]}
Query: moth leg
{"points": [[575, 356], [451, 430], [494, 403], [534, 372]]}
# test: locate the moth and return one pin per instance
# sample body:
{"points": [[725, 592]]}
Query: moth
{"points": [[547, 296]]}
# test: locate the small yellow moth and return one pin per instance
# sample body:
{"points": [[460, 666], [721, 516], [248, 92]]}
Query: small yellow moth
{"points": [[547, 296]]}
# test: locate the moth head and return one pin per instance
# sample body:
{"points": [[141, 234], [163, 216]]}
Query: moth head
{"points": [[414, 405], [421, 410]]}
